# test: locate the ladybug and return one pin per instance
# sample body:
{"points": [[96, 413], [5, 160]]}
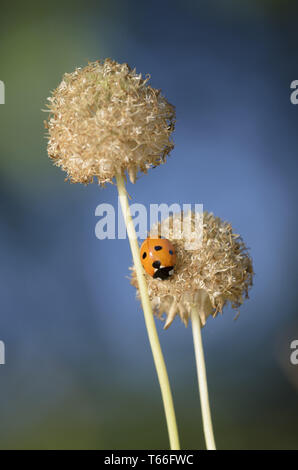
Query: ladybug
{"points": [[158, 257]]}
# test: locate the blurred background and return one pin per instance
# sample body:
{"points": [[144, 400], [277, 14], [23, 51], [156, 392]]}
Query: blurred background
{"points": [[79, 372]]}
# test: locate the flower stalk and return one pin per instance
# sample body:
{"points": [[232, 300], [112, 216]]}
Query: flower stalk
{"points": [[149, 319], [202, 379]]}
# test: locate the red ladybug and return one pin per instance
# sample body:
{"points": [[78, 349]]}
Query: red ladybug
{"points": [[158, 257]]}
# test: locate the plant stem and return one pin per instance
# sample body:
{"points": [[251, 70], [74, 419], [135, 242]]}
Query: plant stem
{"points": [[149, 319], [202, 379]]}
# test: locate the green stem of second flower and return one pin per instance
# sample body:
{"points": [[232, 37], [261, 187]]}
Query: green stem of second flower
{"points": [[202, 379]]}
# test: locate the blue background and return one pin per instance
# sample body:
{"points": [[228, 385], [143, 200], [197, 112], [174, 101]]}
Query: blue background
{"points": [[79, 371]]}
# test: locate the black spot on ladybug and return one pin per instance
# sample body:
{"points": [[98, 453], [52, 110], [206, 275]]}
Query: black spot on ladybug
{"points": [[156, 264], [171, 252], [144, 255], [158, 248]]}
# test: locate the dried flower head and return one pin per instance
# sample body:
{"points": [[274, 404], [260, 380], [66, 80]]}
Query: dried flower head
{"points": [[220, 271], [105, 118]]}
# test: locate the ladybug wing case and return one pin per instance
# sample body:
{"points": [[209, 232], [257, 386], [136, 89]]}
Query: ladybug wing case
{"points": [[158, 257]]}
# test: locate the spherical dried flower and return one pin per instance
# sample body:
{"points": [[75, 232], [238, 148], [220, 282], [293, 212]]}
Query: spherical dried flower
{"points": [[104, 118], [220, 271]]}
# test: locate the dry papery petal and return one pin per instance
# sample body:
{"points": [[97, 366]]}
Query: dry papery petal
{"points": [[105, 118], [207, 278]]}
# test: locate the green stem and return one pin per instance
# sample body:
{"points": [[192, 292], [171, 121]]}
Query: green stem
{"points": [[149, 319], [202, 379]]}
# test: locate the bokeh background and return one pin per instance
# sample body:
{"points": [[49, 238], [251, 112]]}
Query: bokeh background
{"points": [[79, 372]]}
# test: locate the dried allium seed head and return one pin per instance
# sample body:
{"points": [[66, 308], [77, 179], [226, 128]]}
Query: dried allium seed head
{"points": [[104, 118], [220, 271]]}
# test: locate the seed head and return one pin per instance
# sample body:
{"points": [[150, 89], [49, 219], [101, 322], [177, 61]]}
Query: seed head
{"points": [[105, 118], [208, 278]]}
